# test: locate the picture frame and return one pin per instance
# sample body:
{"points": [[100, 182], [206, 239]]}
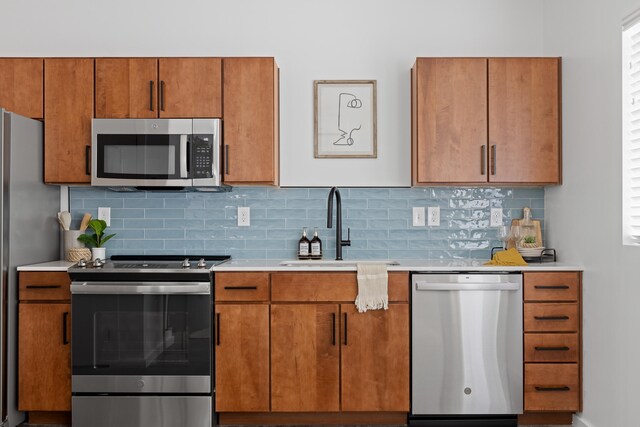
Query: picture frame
{"points": [[345, 119]]}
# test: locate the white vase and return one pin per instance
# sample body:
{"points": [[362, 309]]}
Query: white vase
{"points": [[98, 253]]}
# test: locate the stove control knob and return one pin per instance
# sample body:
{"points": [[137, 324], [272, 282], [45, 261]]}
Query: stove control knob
{"points": [[97, 263], [186, 263], [202, 263], [82, 263]]}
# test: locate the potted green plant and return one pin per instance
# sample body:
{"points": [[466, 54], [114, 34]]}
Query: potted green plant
{"points": [[96, 240], [529, 242]]}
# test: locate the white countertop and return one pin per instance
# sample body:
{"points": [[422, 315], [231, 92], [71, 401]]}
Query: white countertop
{"points": [[404, 265], [47, 266]]}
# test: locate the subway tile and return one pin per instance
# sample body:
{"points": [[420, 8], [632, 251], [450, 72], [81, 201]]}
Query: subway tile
{"points": [[247, 253], [248, 192], [166, 195], [283, 234], [449, 254], [204, 213], [387, 203], [283, 254], [366, 254], [246, 233], [164, 234], [427, 244], [385, 244], [537, 203], [352, 223], [87, 193], [317, 213], [492, 193], [220, 245], [205, 234], [222, 203], [143, 223], [448, 233], [266, 244], [367, 193], [469, 244], [410, 193], [387, 223], [125, 195], [164, 213], [143, 244], [416, 233], [144, 203], [350, 203], [219, 223], [127, 213], [369, 234], [288, 193], [408, 254], [306, 203], [184, 203], [266, 203], [106, 203], [367, 213], [480, 254], [322, 193], [125, 233], [286, 213], [194, 224], [468, 204], [268, 223], [310, 224], [159, 252], [190, 245], [528, 193]]}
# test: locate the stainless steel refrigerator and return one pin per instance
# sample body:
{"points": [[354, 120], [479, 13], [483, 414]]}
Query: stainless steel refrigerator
{"points": [[29, 234]]}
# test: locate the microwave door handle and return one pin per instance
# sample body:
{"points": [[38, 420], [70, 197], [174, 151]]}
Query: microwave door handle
{"points": [[184, 167]]}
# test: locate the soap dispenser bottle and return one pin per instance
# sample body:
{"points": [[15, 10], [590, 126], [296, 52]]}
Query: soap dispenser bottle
{"points": [[316, 245], [304, 246]]}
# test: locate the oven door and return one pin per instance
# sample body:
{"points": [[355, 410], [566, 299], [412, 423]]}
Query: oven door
{"points": [[141, 152], [141, 337]]}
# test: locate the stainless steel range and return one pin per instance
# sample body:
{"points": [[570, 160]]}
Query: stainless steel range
{"points": [[142, 351]]}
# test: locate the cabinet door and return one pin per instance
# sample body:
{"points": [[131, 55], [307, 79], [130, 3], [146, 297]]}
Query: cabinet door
{"points": [[242, 358], [190, 87], [21, 86], [304, 358], [250, 93], [44, 358], [126, 88], [524, 120], [68, 110], [375, 359], [450, 120]]}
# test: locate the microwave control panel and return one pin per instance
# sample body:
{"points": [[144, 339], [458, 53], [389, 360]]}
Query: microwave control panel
{"points": [[202, 155]]}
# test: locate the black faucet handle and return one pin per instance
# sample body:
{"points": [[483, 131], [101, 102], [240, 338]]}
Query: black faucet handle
{"points": [[348, 241]]}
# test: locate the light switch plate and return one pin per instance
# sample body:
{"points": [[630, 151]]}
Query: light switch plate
{"points": [[105, 214], [433, 216], [418, 217], [244, 216], [496, 217]]}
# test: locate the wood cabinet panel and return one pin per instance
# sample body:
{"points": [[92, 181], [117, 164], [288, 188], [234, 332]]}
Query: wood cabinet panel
{"points": [[44, 357], [451, 121], [329, 286], [22, 86], [558, 348], [305, 358], [68, 110], [190, 87], [44, 285], [375, 359], [551, 286], [550, 317], [551, 387], [524, 120], [242, 357], [242, 286], [126, 88], [251, 131]]}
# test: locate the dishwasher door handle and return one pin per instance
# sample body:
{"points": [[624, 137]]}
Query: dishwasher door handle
{"points": [[477, 286]]}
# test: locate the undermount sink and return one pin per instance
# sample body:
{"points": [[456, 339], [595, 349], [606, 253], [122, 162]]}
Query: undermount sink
{"points": [[333, 263]]}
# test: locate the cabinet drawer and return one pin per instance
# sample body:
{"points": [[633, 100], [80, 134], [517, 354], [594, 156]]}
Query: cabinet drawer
{"points": [[242, 286], [327, 287], [552, 317], [551, 347], [44, 286], [551, 387], [551, 286]]}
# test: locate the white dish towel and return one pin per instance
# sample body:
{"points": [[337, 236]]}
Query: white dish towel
{"points": [[373, 293]]}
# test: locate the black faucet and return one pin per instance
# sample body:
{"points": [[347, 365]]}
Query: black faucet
{"points": [[339, 242]]}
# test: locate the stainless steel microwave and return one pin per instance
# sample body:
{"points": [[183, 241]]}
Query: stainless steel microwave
{"points": [[147, 154]]}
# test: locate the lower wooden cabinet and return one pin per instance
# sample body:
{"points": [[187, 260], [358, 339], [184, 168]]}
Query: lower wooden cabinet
{"points": [[242, 357], [552, 342], [44, 342], [325, 357]]}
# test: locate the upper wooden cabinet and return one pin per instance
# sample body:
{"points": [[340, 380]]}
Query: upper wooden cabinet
{"points": [[68, 110], [165, 87], [21, 86], [126, 88], [251, 130], [479, 120]]}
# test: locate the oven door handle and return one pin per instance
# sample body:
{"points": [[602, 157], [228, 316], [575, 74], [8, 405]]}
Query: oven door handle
{"points": [[151, 288]]}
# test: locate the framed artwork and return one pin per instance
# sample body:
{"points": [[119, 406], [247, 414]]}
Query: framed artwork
{"points": [[345, 120]]}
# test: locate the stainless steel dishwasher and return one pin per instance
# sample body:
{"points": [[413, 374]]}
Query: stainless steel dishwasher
{"points": [[466, 349]]}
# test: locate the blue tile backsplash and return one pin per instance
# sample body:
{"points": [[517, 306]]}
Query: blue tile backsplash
{"points": [[379, 218]]}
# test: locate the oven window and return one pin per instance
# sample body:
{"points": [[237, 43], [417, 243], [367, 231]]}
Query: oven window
{"points": [[138, 156], [141, 334]]}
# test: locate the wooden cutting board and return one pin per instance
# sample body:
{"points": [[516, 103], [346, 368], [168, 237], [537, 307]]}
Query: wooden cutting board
{"points": [[534, 229]]}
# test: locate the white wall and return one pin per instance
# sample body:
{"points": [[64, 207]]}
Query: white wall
{"points": [[583, 216], [311, 40]]}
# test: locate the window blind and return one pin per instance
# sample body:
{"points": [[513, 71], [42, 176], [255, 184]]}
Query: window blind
{"points": [[631, 133]]}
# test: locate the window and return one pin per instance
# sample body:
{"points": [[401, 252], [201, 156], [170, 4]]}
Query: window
{"points": [[631, 130]]}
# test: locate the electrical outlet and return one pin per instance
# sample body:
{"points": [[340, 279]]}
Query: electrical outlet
{"points": [[496, 217], [418, 217], [434, 215], [244, 216], [105, 214]]}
